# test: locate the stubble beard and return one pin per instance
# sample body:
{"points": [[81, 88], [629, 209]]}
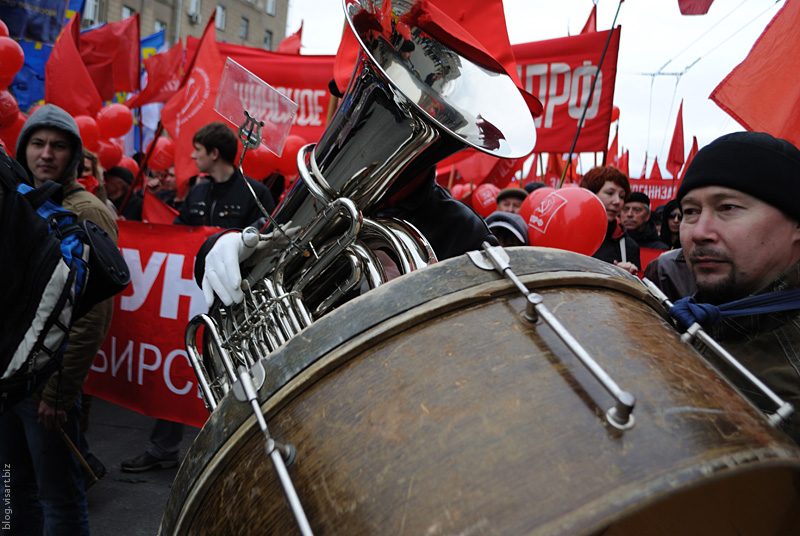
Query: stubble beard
{"points": [[720, 289]]}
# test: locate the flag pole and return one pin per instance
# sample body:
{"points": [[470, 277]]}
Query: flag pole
{"points": [[589, 98]]}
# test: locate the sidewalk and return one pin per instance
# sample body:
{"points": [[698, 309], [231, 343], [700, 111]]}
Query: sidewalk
{"points": [[126, 504]]}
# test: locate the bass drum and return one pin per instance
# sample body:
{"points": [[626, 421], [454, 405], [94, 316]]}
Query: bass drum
{"points": [[431, 406]]}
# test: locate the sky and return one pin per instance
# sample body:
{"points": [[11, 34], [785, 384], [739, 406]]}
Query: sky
{"points": [[691, 54]]}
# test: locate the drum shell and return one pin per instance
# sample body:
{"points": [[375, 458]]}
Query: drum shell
{"points": [[430, 406]]}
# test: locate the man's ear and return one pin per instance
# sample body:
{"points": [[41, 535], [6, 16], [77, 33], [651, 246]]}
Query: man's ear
{"points": [[214, 154]]}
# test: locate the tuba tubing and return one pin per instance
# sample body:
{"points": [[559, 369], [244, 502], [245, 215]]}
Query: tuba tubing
{"points": [[392, 125]]}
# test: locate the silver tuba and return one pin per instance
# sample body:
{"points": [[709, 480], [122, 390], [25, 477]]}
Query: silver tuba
{"points": [[409, 105]]}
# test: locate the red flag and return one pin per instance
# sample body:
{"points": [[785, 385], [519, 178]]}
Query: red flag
{"points": [[689, 158], [644, 167], [67, 83], [591, 22], [655, 173], [694, 7], [292, 44], [154, 210], [111, 54], [623, 163], [675, 158], [163, 77], [613, 152], [762, 92], [555, 166], [192, 106]]}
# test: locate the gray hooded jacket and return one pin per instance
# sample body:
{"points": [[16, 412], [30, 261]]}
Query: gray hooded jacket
{"points": [[51, 116]]}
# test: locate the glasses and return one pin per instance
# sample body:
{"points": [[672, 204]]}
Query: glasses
{"points": [[674, 215]]}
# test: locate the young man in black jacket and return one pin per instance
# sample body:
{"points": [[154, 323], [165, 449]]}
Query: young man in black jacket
{"points": [[225, 199]]}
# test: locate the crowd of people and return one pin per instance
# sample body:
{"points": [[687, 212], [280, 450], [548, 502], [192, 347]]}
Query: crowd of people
{"points": [[724, 237]]}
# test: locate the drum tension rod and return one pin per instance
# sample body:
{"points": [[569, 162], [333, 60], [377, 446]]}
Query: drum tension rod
{"points": [[695, 331], [619, 416], [277, 452]]}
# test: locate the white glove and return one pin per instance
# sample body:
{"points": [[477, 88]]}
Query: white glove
{"points": [[222, 275]]}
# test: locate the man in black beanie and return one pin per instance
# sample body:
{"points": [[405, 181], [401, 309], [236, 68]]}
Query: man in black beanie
{"points": [[741, 237], [636, 221]]}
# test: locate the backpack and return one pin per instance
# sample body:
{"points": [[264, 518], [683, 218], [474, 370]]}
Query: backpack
{"points": [[44, 260]]}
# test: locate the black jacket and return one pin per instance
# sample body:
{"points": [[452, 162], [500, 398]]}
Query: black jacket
{"points": [[610, 250], [226, 204], [671, 274], [647, 237]]}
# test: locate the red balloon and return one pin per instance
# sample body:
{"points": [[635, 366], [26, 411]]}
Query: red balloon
{"points": [[3, 29], [614, 113], [484, 199], [259, 163], [573, 219], [10, 134], [6, 81], [287, 163], [12, 58], [90, 132], [533, 200], [8, 109], [460, 191], [163, 155], [108, 153], [129, 163], [114, 120]]}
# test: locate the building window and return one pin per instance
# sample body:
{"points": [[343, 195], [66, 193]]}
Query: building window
{"points": [[268, 40], [243, 28], [220, 19], [194, 7], [271, 7], [159, 25], [91, 12], [127, 12]]}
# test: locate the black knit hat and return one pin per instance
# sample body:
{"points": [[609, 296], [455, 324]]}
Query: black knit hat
{"points": [[639, 197], [121, 172], [755, 163]]}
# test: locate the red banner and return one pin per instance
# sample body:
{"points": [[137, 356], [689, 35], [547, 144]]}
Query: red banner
{"points": [[658, 190], [559, 72], [304, 79], [142, 364]]}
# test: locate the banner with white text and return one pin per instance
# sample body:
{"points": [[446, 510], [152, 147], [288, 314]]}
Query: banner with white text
{"points": [[559, 72], [142, 364], [658, 190]]}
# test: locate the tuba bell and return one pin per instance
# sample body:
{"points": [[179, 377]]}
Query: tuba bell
{"points": [[409, 104]]}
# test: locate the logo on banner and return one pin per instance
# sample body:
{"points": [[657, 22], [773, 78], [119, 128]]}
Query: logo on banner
{"points": [[543, 214], [195, 95]]}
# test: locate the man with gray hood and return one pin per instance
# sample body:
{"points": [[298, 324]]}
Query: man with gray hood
{"points": [[46, 480]]}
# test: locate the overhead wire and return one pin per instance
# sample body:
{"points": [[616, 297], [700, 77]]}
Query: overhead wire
{"points": [[678, 75]]}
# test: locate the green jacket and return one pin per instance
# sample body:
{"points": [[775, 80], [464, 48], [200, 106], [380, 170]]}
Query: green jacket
{"points": [[769, 346]]}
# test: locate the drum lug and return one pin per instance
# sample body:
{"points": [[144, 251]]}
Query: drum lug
{"points": [[495, 258], [281, 455]]}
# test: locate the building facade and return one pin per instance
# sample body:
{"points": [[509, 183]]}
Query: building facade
{"points": [[253, 23]]}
